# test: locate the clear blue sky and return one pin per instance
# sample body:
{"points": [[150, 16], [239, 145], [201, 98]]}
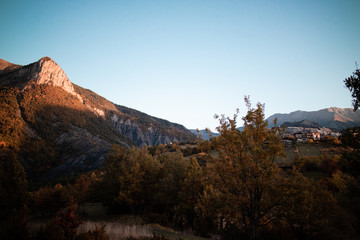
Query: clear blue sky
{"points": [[184, 61]]}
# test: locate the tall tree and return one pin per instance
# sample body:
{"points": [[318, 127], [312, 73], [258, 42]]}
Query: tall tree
{"points": [[245, 175], [189, 195], [353, 84], [12, 184], [13, 197]]}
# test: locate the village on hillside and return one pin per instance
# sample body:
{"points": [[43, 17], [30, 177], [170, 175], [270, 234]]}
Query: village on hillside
{"points": [[301, 134]]}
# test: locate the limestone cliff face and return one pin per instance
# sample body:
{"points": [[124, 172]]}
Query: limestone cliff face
{"points": [[142, 129], [44, 71], [142, 137]]}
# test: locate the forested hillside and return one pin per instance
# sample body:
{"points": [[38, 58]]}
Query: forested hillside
{"points": [[228, 187], [58, 128]]}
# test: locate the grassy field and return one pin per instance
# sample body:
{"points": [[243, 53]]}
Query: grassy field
{"points": [[116, 226], [174, 235], [287, 161], [308, 149], [124, 226], [303, 150], [120, 230]]}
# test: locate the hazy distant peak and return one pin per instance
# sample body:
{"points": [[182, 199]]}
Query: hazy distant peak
{"points": [[329, 110], [333, 109], [334, 117]]}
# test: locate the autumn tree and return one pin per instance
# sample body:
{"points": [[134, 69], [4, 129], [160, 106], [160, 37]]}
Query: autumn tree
{"points": [[245, 176], [48, 200], [172, 174], [351, 138], [12, 184], [68, 222], [309, 206], [129, 180], [121, 179], [353, 84], [350, 167], [191, 188], [13, 197]]}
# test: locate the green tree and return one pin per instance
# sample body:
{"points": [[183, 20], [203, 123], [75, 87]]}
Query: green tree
{"points": [[245, 176], [353, 84]]}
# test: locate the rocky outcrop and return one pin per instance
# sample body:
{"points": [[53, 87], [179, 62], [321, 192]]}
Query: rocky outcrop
{"points": [[147, 137], [44, 71]]}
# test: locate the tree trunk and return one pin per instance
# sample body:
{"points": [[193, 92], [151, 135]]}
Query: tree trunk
{"points": [[252, 233]]}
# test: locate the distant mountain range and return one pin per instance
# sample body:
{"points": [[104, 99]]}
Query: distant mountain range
{"points": [[203, 134], [57, 127], [333, 118]]}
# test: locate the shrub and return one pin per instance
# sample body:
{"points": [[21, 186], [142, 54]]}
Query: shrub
{"points": [[308, 163], [98, 233], [63, 227]]}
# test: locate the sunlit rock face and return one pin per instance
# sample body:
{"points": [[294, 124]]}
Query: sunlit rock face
{"points": [[46, 71]]}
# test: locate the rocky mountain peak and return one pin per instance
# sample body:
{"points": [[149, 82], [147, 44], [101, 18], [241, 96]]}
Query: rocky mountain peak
{"points": [[46, 71]]}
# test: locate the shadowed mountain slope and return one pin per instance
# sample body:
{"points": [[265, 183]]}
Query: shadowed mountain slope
{"points": [[59, 128]]}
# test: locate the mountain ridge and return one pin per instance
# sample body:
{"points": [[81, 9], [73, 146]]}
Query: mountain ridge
{"points": [[57, 127], [304, 123], [7, 66], [334, 117]]}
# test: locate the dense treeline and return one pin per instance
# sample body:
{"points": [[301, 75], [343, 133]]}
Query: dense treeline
{"points": [[228, 186]]}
